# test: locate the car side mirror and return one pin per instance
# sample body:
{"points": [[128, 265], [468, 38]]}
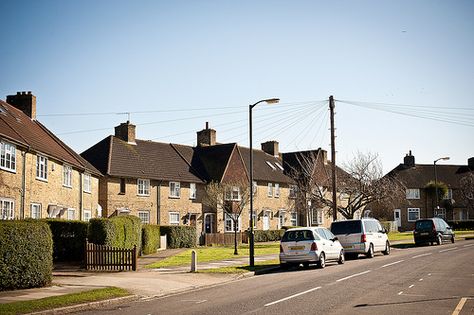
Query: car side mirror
{"points": [[449, 228], [383, 230], [335, 239]]}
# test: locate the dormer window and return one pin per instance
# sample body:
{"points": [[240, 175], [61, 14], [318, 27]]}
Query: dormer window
{"points": [[271, 165], [279, 166]]}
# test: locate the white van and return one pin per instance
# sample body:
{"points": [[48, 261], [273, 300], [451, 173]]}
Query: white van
{"points": [[364, 236]]}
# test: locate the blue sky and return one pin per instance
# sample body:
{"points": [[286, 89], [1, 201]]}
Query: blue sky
{"points": [[187, 62]]}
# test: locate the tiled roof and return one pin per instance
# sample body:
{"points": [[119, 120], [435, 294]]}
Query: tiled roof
{"points": [[17, 127], [146, 159], [420, 174]]}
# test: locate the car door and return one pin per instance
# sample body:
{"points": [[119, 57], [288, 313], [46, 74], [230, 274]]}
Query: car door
{"points": [[335, 245], [381, 240], [328, 243]]}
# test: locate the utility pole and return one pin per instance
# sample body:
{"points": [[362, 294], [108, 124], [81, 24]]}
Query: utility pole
{"points": [[333, 159]]}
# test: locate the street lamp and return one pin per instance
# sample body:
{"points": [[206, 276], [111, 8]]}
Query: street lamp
{"points": [[251, 240], [436, 178]]}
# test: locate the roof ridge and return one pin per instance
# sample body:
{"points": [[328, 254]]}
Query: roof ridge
{"points": [[109, 158]]}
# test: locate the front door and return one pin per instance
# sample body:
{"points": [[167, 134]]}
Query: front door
{"points": [[397, 217], [266, 220], [192, 220], [209, 223]]}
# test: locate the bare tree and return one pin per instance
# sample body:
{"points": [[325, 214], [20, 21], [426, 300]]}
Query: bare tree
{"points": [[361, 184], [467, 190], [232, 197]]}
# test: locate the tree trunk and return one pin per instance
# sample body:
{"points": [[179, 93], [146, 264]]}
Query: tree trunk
{"points": [[235, 240]]}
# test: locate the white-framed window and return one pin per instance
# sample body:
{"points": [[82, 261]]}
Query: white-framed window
{"points": [[232, 193], [8, 156], [229, 223], [192, 191], [143, 187], [279, 165], [7, 209], [277, 190], [87, 183], [270, 190], [293, 190], [294, 218], [174, 218], [254, 219], [271, 165], [413, 214], [281, 218], [35, 211], [71, 214], [175, 189], [144, 215], [441, 213], [413, 193], [448, 195], [87, 215], [320, 216], [67, 176], [41, 167], [254, 187]]}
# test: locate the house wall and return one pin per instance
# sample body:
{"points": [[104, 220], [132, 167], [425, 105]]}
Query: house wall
{"points": [[45, 193]]}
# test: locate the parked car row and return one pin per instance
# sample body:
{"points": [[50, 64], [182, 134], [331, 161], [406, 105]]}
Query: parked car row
{"points": [[316, 245], [433, 230]]}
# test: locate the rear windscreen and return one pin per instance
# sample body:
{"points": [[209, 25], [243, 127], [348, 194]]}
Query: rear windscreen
{"points": [[346, 227], [424, 225], [295, 236]]}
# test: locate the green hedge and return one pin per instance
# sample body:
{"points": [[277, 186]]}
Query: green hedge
{"points": [[69, 238], [121, 231], [26, 254], [179, 236], [150, 238], [462, 225], [268, 235]]}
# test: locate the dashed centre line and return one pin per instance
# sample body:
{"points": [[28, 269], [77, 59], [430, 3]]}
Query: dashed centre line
{"points": [[422, 255], [354, 275], [411, 286], [468, 245], [390, 264], [447, 250], [293, 296]]}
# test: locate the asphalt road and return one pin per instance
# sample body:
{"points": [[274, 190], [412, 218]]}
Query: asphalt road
{"points": [[424, 280]]}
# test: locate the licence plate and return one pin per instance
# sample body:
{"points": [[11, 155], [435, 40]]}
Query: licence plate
{"points": [[296, 247], [424, 233], [349, 246]]}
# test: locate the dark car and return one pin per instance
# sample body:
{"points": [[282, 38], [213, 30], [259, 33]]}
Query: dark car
{"points": [[433, 230]]}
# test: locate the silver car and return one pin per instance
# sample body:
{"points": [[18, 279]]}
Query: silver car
{"points": [[309, 245]]}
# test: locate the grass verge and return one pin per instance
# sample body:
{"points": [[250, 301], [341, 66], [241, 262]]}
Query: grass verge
{"points": [[216, 253], [23, 307], [244, 268]]}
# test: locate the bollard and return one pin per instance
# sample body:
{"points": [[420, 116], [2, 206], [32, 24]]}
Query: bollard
{"points": [[193, 261]]}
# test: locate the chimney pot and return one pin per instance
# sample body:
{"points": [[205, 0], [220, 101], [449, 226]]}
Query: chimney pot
{"points": [[271, 147], [409, 160], [206, 137], [126, 132]]}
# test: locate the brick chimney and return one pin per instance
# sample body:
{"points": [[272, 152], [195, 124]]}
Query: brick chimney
{"points": [[126, 132], [470, 163], [206, 137], [409, 160], [324, 155], [26, 102], [271, 147]]}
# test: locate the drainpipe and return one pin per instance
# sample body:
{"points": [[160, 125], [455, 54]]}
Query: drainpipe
{"points": [[81, 178], [158, 203], [23, 184]]}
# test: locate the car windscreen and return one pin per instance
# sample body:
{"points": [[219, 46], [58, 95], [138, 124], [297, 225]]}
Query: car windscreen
{"points": [[424, 225], [346, 227], [296, 236]]}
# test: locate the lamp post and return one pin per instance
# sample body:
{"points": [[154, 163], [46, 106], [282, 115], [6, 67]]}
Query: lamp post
{"points": [[251, 239], [436, 177]]}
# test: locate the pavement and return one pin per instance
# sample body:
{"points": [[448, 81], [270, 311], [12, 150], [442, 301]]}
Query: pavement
{"points": [[142, 284]]}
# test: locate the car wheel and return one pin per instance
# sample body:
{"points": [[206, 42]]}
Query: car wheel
{"points": [[452, 239], [387, 249], [322, 261], [370, 253], [284, 266], [341, 257], [438, 240]]}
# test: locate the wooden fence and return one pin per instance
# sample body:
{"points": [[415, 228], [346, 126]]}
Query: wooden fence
{"points": [[224, 238], [103, 257]]}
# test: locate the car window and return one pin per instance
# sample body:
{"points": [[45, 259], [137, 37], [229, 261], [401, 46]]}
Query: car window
{"points": [[329, 234], [370, 226], [323, 233], [346, 227], [424, 225], [296, 236]]}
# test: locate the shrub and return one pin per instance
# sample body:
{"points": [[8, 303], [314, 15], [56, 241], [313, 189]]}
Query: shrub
{"points": [[462, 225], [179, 236], [389, 226], [268, 235], [26, 254], [121, 231], [69, 238], [150, 238]]}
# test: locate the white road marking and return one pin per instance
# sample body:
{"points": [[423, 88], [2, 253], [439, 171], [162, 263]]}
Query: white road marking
{"points": [[421, 279], [468, 245], [411, 286], [429, 274], [459, 307], [354, 275], [422, 255], [390, 264], [293, 296], [400, 293], [447, 250], [195, 301]]}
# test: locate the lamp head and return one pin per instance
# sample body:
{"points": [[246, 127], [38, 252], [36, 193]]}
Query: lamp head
{"points": [[272, 100]]}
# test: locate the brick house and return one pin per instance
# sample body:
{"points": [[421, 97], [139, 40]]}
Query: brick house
{"points": [[40, 176], [164, 183], [421, 204]]}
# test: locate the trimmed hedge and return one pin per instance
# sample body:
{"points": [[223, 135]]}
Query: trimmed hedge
{"points": [[69, 238], [121, 231], [26, 254], [462, 225], [268, 235], [389, 226], [179, 236], [150, 238]]}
